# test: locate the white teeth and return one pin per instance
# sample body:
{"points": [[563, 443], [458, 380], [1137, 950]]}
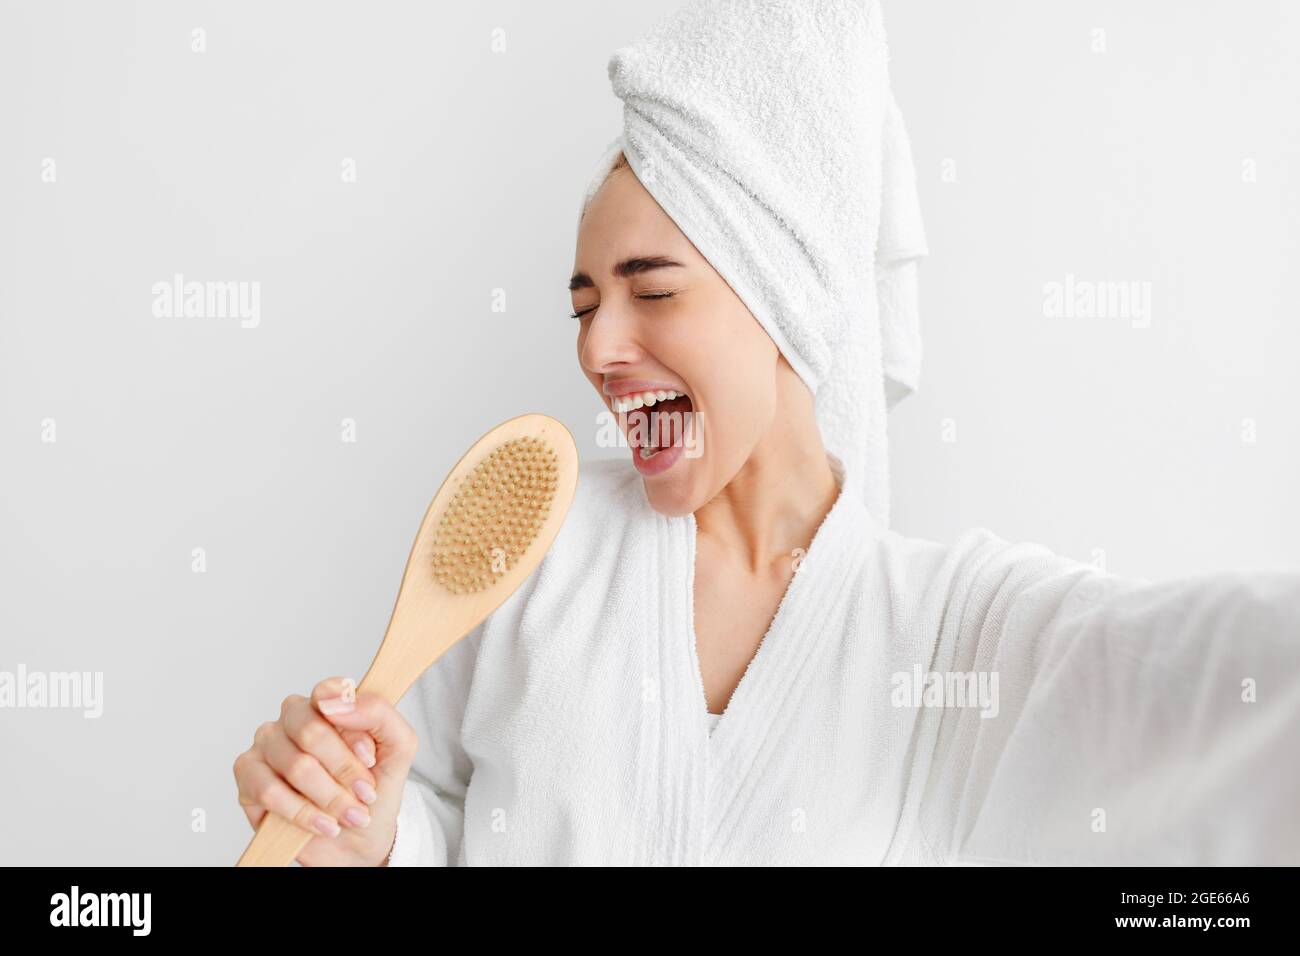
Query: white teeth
{"points": [[628, 403]]}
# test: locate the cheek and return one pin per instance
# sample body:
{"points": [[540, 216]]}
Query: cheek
{"points": [[743, 358], [696, 334], [742, 382]]}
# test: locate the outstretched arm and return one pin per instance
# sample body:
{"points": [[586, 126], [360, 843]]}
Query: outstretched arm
{"points": [[1138, 723]]}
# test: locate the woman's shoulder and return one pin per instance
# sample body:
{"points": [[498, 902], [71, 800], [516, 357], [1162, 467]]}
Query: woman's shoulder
{"points": [[607, 487], [975, 558], [608, 498], [608, 476]]}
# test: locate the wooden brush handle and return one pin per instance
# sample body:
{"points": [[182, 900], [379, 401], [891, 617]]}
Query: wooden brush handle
{"points": [[277, 843]]}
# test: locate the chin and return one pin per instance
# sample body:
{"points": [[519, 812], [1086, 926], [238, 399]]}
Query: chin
{"points": [[671, 497]]}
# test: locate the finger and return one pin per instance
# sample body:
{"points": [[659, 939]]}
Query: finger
{"points": [[395, 739], [254, 814], [343, 688], [313, 734], [261, 787], [306, 774], [361, 744], [253, 811], [338, 695]]}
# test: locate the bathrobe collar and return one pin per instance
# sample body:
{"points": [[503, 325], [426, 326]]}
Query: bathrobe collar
{"points": [[705, 778]]}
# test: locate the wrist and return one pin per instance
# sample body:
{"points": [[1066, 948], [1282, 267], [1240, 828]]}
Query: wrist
{"points": [[392, 845]]}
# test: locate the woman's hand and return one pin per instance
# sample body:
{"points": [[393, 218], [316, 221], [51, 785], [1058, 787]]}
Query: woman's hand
{"points": [[333, 764]]}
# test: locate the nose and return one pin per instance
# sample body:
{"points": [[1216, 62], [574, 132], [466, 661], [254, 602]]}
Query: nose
{"points": [[609, 343]]}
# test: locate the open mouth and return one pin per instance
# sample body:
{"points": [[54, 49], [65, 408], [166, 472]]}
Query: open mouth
{"points": [[655, 419]]}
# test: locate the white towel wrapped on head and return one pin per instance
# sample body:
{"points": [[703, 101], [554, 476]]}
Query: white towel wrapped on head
{"points": [[768, 131]]}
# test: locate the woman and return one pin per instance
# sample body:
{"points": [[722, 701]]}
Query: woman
{"points": [[727, 657]]}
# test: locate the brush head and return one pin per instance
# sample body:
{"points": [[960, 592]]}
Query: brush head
{"points": [[495, 514]]}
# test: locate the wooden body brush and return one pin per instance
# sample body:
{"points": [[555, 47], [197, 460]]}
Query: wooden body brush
{"points": [[487, 528]]}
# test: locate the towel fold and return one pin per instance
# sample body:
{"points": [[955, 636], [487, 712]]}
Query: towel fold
{"points": [[768, 131]]}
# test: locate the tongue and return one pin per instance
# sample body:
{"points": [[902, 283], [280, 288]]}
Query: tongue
{"points": [[665, 422]]}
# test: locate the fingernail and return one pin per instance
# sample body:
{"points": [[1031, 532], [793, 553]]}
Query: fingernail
{"points": [[357, 817], [364, 791], [362, 750], [336, 705], [327, 826]]}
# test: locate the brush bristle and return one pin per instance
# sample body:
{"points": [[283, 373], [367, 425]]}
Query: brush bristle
{"points": [[495, 514]]}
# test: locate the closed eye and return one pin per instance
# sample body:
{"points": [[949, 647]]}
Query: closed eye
{"points": [[647, 295]]}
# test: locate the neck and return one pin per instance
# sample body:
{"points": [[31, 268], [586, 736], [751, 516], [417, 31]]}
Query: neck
{"points": [[779, 498]]}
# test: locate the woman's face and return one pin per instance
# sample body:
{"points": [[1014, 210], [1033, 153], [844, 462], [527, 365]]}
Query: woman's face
{"points": [[654, 316]]}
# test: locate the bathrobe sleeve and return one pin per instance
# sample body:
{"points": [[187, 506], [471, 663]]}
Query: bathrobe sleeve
{"points": [[1137, 723], [430, 822], [899, 246]]}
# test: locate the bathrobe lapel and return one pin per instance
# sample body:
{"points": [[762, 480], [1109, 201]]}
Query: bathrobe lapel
{"points": [[672, 754], [708, 782]]}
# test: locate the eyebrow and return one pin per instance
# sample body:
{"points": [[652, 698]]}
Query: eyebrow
{"points": [[626, 268]]}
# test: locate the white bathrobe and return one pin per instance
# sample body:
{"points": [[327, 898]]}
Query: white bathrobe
{"points": [[1132, 723]]}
